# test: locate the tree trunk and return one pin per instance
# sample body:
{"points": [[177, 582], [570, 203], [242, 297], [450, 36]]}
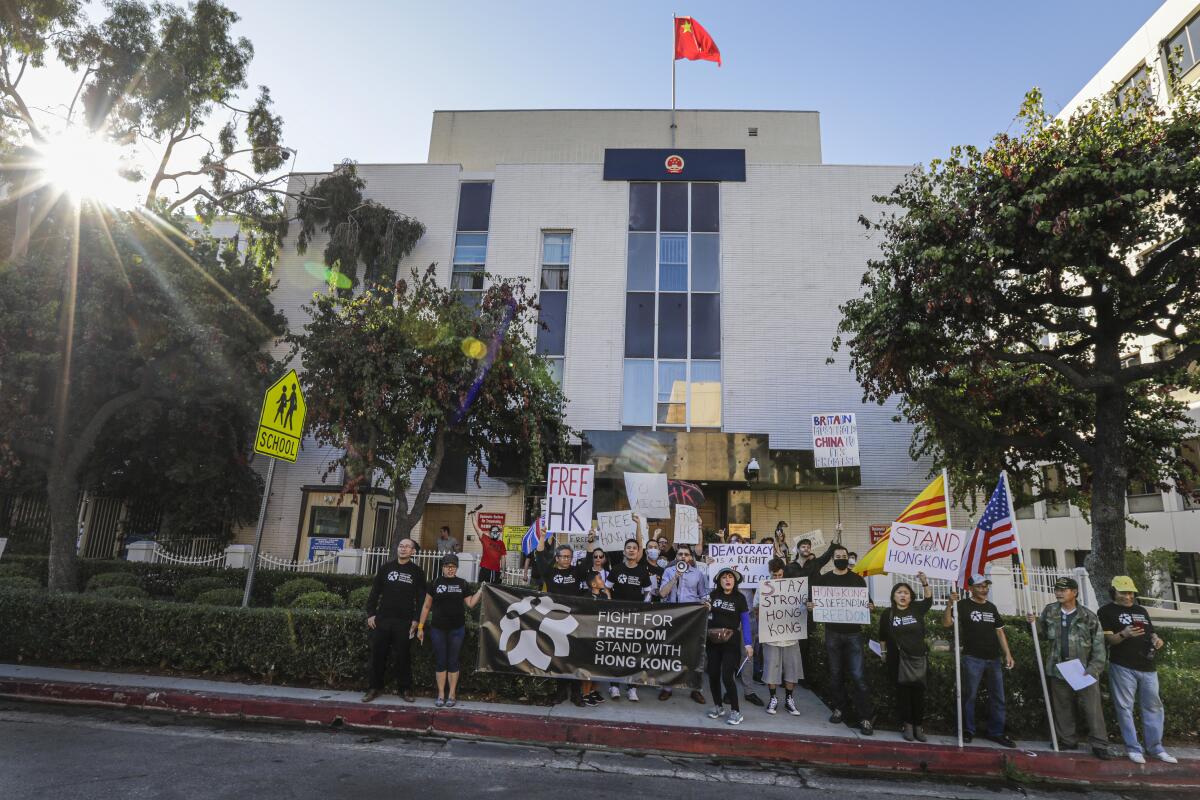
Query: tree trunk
{"points": [[406, 519], [1110, 483], [62, 497]]}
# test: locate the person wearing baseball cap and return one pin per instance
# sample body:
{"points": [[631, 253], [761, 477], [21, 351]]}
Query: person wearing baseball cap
{"points": [[1132, 674], [983, 642], [1072, 632]]}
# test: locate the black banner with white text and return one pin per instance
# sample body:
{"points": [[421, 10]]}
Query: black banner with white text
{"points": [[534, 633]]}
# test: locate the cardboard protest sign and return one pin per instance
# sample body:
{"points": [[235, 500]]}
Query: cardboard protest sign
{"points": [[835, 440], [750, 560], [842, 604], [741, 529], [648, 494], [616, 527], [569, 493], [817, 538], [513, 534], [687, 525], [917, 548], [782, 610]]}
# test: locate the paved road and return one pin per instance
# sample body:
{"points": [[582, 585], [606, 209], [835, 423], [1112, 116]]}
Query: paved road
{"points": [[77, 754]]}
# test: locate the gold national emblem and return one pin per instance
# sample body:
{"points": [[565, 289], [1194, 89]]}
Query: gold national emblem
{"points": [[674, 164]]}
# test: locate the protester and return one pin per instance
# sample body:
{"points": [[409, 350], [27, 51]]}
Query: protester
{"points": [[491, 563], [853, 557], [449, 601], [844, 649], [445, 542], [396, 598], [665, 549], [684, 582], [808, 566], [1132, 672], [585, 549], [781, 660], [902, 635], [629, 580], [1070, 632], [729, 624], [563, 578], [983, 640], [599, 562], [596, 591]]}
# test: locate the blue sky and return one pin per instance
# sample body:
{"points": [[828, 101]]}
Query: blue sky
{"points": [[896, 82]]}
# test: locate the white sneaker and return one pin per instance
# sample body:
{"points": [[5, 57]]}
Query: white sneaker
{"points": [[735, 718], [631, 695], [773, 705], [1166, 757], [717, 712], [614, 693], [1136, 757], [790, 705]]}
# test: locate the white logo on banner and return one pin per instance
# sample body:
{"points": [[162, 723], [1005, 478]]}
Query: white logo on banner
{"points": [[554, 622]]}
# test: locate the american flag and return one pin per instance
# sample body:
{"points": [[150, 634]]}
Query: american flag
{"points": [[994, 536]]}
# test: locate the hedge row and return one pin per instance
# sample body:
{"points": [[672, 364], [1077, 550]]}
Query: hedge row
{"points": [[273, 645]]}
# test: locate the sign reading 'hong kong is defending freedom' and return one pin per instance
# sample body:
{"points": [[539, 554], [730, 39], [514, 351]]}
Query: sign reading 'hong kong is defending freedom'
{"points": [[533, 633]]}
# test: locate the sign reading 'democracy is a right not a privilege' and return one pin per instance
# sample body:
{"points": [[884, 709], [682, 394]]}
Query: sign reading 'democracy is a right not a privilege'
{"points": [[835, 440], [749, 559], [917, 548]]}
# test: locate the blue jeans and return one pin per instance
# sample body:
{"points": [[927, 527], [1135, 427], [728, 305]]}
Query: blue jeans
{"points": [[446, 646], [975, 671], [1125, 684], [844, 652]]}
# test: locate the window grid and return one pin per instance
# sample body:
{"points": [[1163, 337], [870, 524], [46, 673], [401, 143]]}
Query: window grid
{"points": [[1187, 38], [469, 261], [672, 249], [555, 277]]}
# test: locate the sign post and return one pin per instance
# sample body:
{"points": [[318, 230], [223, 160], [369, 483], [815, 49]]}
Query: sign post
{"points": [[280, 427]]}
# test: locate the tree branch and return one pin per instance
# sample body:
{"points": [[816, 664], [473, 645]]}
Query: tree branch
{"points": [[1154, 369], [1077, 379]]}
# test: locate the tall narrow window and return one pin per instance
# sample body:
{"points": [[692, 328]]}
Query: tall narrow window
{"points": [[470, 241], [673, 306], [556, 269]]}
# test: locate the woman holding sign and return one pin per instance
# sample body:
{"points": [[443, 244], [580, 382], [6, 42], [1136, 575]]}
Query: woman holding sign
{"points": [[729, 624], [902, 636]]}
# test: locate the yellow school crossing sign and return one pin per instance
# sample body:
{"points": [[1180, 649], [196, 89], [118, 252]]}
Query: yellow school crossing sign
{"points": [[281, 421]]}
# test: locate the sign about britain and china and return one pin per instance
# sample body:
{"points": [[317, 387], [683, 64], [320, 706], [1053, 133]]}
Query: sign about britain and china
{"points": [[533, 633], [835, 440]]}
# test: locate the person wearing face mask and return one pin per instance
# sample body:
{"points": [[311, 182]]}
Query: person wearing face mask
{"points": [[491, 563], [844, 651], [808, 566], [684, 582]]}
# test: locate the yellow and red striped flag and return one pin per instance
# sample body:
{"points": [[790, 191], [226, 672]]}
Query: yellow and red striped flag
{"points": [[927, 508]]}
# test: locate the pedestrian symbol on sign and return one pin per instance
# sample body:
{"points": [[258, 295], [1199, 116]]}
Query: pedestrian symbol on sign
{"points": [[281, 421]]}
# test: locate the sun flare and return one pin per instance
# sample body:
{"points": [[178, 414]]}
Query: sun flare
{"points": [[87, 167]]}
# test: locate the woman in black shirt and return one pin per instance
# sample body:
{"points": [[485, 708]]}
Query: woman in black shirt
{"points": [[902, 635], [728, 636], [449, 601]]}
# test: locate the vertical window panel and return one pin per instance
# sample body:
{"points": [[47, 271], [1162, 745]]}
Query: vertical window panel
{"points": [[643, 206], [706, 260], [672, 393], [706, 326], [640, 277], [639, 325], [674, 207], [673, 259], [672, 325], [706, 210], [552, 338], [706, 394], [474, 206], [638, 397]]}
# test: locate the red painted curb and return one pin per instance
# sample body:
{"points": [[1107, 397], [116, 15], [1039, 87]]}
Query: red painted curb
{"points": [[714, 743]]}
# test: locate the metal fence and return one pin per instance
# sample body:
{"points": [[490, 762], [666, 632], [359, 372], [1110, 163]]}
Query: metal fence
{"points": [[326, 565], [162, 556], [374, 558]]}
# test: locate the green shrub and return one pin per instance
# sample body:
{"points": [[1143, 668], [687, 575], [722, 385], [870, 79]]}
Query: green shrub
{"points": [[286, 594], [19, 582], [106, 579], [227, 596], [13, 569], [121, 591], [190, 589], [319, 600], [358, 598]]}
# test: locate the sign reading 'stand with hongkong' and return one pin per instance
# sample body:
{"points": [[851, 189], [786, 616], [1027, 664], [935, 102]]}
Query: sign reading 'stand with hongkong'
{"points": [[835, 440]]}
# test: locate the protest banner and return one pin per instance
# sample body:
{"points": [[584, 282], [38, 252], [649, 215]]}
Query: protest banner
{"points": [[647, 493], [835, 440], [817, 538], [848, 605], [569, 493], [687, 525], [741, 529], [512, 537], [532, 633], [616, 528], [750, 560], [918, 548], [484, 520], [782, 610]]}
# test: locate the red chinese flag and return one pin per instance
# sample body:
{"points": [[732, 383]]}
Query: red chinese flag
{"points": [[693, 42]]}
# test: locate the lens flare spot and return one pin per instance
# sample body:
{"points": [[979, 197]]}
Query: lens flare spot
{"points": [[473, 348]]}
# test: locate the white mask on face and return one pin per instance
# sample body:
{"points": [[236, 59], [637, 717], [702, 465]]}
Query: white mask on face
{"points": [[652, 553]]}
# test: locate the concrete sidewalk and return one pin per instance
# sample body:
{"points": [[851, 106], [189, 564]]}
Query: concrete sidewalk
{"points": [[674, 726]]}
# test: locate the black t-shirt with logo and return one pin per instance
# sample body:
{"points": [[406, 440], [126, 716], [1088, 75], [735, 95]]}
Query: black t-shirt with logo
{"points": [[905, 630], [1135, 653], [569, 581], [727, 609], [449, 609], [977, 624], [629, 583], [398, 591]]}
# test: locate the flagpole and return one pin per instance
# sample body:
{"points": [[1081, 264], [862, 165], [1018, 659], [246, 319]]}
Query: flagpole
{"points": [[674, 34], [1037, 648], [957, 654]]}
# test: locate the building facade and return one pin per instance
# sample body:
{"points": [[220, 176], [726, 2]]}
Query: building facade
{"points": [[690, 295]]}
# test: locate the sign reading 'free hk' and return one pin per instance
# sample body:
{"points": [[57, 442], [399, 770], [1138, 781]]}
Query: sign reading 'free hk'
{"points": [[570, 489]]}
